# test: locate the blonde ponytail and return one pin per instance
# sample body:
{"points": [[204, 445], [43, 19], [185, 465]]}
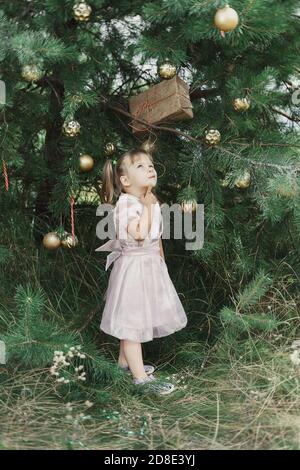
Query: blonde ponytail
{"points": [[108, 182]]}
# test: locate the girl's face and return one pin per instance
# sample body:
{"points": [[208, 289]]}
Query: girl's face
{"points": [[141, 173]]}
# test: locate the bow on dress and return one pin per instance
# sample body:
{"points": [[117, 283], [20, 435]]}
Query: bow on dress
{"points": [[115, 247]]}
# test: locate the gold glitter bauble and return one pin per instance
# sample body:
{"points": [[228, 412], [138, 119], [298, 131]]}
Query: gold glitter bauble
{"points": [[31, 73], [241, 104], [243, 182], [226, 19], [166, 70], [212, 137], [86, 162], [288, 192], [51, 241], [71, 128], [77, 98], [110, 148], [88, 195], [224, 183], [189, 206], [68, 242], [82, 11]]}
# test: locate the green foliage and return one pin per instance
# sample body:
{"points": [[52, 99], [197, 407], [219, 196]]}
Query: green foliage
{"points": [[31, 340], [244, 319], [89, 68], [254, 291]]}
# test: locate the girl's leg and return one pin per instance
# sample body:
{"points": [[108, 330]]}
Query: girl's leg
{"points": [[134, 358], [122, 359]]}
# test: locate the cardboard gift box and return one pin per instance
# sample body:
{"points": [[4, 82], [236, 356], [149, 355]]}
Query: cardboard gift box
{"points": [[168, 101]]}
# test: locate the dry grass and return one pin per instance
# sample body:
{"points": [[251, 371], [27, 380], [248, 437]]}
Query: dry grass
{"points": [[233, 405]]}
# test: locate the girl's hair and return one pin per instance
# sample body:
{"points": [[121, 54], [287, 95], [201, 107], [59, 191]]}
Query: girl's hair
{"points": [[111, 184]]}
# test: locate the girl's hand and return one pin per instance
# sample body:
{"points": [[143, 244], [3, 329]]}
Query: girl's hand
{"points": [[149, 198]]}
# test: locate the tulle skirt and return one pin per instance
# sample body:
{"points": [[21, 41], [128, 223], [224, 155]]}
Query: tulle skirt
{"points": [[141, 300]]}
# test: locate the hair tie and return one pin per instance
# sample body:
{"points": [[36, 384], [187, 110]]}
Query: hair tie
{"points": [[113, 161]]}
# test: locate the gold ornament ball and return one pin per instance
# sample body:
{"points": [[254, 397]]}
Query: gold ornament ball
{"points": [[86, 162], [212, 137], [88, 195], [68, 242], [288, 192], [226, 19], [51, 241], [77, 98], [189, 206], [244, 182], [241, 104], [82, 11], [224, 183], [166, 70], [71, 128], [110, 148], [31, 73]]}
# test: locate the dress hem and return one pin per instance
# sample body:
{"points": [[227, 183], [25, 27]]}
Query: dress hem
{"points": [[143, 340]]}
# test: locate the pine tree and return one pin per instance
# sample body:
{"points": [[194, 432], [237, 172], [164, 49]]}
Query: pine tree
{"points": [[87, 71]]}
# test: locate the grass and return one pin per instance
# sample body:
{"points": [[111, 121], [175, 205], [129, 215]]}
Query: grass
{"points": [[229, 404], [242, 392]]}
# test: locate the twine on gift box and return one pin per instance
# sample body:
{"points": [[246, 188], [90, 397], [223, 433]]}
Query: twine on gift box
{"points": [[145, 106], [148, 107]]}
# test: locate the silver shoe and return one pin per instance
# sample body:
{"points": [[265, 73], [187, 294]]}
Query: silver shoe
{"points": [[148, 369], [153, 385]]}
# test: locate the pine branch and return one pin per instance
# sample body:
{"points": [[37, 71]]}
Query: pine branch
{"points": [[291, 118], [194, 139], [198, 93]]}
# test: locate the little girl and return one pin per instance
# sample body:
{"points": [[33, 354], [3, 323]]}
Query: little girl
{"points": [[141, 300]]}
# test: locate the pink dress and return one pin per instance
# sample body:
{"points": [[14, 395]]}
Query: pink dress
{"points": [[141, 300]]}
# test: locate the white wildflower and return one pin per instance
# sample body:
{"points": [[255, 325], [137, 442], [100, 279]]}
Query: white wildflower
{"points": [[296, 344], [294, 356]]}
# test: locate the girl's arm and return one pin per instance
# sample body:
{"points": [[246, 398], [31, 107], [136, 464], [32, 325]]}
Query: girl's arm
{"points": [[139, 227]]}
